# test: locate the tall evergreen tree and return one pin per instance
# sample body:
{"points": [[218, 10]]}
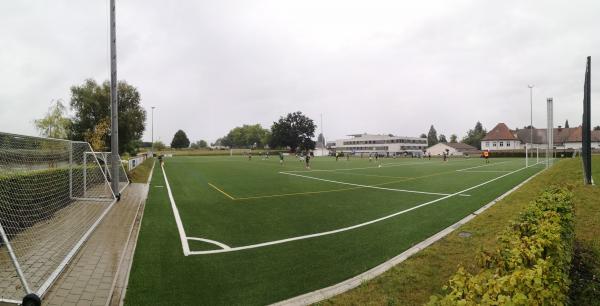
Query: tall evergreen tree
{"points": [[475, 136], [432, 138], [321, 139], [180, 140], [567, 124]]}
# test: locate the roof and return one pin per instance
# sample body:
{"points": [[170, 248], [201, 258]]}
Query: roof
{"points": [[459, 146], [500, 132], [561, 135]]}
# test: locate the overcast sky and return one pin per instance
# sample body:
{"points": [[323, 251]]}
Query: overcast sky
{"points": [[367, 66]]}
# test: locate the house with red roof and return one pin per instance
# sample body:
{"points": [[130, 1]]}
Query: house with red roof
{"points": [[503, 138]]}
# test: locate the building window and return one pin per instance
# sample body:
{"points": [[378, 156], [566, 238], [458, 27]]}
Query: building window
{"points": [[508, 143], [502, 143], [487, 143], [494, 144]]}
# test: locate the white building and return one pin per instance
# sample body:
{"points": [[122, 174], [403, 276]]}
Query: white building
{"points": [[501, 138], [452, 149], [388, 145]]}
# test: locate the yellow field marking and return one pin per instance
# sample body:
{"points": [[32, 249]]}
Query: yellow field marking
{"points": [[296, 193], [221, 191]]}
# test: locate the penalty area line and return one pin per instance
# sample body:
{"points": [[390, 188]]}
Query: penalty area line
{"points": [[258, 245], [365, 186]]}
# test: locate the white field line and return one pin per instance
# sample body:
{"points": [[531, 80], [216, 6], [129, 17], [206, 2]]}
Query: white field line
{"points": [[328, 292], [222, 245], [486, 165], [383, 165], [486, 171], [182, 235], [258, 245], [365, 186]]}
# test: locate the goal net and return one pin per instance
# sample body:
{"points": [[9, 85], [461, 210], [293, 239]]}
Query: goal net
{"points": [[105, 161], [53, 193]]}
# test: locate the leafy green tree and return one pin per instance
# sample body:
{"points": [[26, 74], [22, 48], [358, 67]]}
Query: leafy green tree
{"points": [[247, 136], [597, 128], [453, 138], [55, 124], [567, 124], [200, 144], [474, 136], [180, 140], [91, 103], [432, 138], [295, 131], [159, 145], [423, 135], [442, 138]]}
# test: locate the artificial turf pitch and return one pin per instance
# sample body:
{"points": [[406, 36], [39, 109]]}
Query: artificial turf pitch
{"points": [[244, 204]]}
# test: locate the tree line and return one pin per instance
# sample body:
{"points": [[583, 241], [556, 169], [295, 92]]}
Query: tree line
{"points": [[293, 131], [473, 137], [90, 122]]}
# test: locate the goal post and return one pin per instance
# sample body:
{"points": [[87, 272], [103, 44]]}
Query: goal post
{"points": [[104, 161], [53, 194]]}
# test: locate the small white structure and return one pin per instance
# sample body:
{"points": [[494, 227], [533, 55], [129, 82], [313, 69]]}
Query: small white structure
{"points": [[453, 149]]}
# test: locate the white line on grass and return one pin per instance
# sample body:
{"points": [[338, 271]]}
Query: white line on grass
{"points": [[383, 165], [258, 245], [222, 245], [365, 186], [182, 235], [486, 171], [486, 165]]}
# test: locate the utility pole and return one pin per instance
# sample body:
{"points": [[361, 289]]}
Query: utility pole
{"points": [[323, 136], [153, 107], [530, 121], [116, 161]]}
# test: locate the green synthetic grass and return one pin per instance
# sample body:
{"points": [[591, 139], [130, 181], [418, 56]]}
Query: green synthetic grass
{"points": [[413, 281], [269, 206]]}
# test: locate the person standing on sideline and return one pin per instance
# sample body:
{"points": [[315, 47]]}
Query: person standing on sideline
{"points": [[486, 155], [307, 160]]}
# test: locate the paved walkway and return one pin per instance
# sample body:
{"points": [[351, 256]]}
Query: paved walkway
{"points": [[89, 278]]}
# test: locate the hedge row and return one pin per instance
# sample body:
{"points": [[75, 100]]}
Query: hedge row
{"points": [[32, 196], [531, 265]]}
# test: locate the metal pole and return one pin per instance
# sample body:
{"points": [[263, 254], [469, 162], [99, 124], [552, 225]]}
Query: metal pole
{"points": [[323, 143], [115, 103], [153, 107], [530, 115], [14, 260]]}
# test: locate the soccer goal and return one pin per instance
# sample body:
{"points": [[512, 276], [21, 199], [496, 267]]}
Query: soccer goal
{"points": [[53, 194], [104, 160]]}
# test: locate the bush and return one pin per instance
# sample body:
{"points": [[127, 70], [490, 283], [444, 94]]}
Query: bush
{"points": [[532, 264]]}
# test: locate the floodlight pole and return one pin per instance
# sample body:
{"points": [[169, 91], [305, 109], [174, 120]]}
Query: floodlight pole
{"points": [[323, 136], [114, 147], [530, 119], [153, 107]]}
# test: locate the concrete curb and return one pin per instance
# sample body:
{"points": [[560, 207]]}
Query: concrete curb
{"points": [[328, 292]]}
